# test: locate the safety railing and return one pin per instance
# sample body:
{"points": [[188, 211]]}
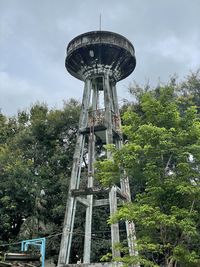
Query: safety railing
{"points": [[97, 118]]}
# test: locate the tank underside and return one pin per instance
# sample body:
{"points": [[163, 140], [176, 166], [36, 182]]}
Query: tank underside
{"points": [[98, 53]]}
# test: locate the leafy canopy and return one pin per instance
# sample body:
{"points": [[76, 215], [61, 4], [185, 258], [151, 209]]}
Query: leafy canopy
{"points": [[162, 159]]}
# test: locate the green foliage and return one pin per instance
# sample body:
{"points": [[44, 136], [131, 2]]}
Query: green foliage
{"points": [[108, 172], [161, 156], [36, 155], [162, 159], [36, 150]]}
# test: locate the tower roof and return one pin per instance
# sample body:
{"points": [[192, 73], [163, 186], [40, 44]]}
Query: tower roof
{"points": [[100, 52]]}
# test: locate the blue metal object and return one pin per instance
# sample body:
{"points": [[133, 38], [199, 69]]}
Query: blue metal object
{"points": [[39, 242]]}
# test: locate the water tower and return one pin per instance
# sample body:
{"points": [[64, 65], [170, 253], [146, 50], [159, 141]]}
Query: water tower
{"points": [[100, 59]]}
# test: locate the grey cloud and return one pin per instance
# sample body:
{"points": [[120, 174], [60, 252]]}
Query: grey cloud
{"points": [[34, 35]]}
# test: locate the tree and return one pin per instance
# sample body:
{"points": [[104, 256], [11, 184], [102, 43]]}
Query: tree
{"points": [[36, 155], [36, 150], [162, 159]]}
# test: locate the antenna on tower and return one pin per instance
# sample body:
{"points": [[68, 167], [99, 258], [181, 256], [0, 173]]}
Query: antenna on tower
{"points": [[100, 22]]}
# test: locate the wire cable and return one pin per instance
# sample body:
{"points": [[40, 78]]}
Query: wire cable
{"points": [[58, 234]]}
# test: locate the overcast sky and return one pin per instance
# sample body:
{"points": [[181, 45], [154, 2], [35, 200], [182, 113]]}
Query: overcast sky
{"points": [[34, 35]]}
